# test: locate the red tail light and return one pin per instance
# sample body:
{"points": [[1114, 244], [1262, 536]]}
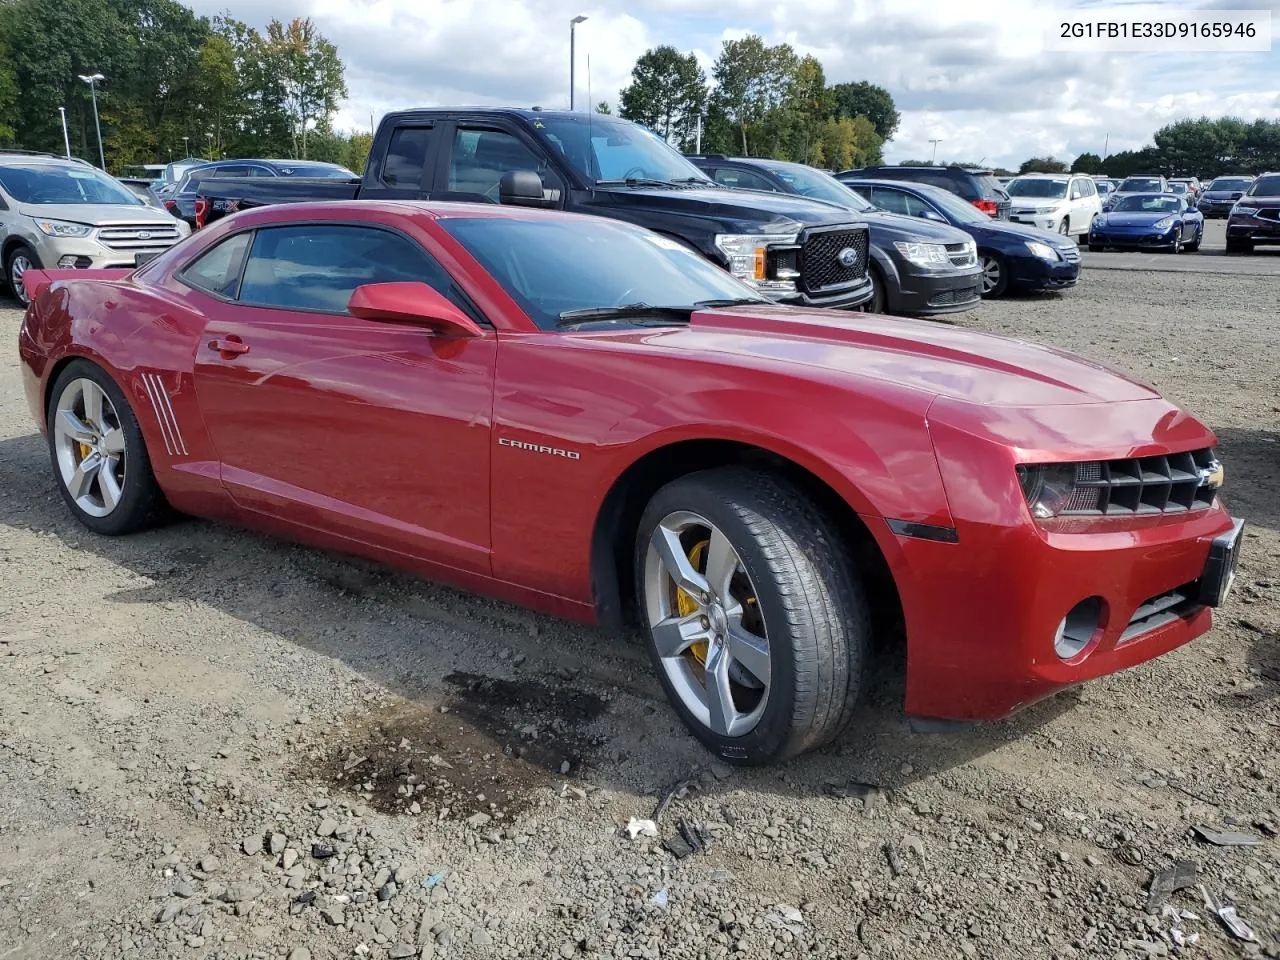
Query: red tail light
{"points": [[202, 208], [989, 207]]}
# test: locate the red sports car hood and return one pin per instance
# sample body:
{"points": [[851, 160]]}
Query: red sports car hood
{"points": [[935, 358]]}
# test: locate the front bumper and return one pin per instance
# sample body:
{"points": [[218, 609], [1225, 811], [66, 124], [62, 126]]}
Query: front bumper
{"points": [[1215, 208], [982, 613], [1045, 221], [88, 253], [927, 294], [1033, 273], [848, 297], [1135, 238], [1253, 229]]}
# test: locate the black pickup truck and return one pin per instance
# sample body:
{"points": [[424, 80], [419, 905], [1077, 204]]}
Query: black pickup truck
{"points": [[791, 249]]}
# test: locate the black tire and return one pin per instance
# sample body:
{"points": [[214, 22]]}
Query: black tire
{"points": [[1239, 246], [1194, 245], [1096, 248], [1002, 282], [1064, 227], [1177, 245], [20, 250], [809, 596], [142, 504], [879, 301]]}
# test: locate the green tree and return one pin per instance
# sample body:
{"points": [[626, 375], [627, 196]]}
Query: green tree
{"points": [[310, 73], [867, 100], [752, 79], [668, 91], [358, 152], [848, 142], [1042, 165], [603, 107], [1087, 163], [8, 76], [215, 91], [1259, 149]]}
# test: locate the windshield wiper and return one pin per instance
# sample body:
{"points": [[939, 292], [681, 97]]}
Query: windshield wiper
{"points": [[694, 181], [630, 311], [731, 302], [634, 182]]}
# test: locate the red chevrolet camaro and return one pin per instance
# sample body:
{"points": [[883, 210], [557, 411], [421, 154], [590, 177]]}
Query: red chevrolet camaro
{"points": [[587, 418]]}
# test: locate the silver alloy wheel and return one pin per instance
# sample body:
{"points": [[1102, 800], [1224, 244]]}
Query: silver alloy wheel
{"points": [[89, 444], [727, 689], [21, 264], [990, 274], [1064, 227]]}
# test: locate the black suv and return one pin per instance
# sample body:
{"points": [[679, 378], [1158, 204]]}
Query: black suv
{"points": [[979, 187]]}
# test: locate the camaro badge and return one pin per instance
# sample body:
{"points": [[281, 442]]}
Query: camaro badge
{"points": [[539, 448], [1212, 476], [848, 257]]}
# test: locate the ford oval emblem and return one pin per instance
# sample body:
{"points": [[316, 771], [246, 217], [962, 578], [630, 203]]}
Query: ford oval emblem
{"points": [[144, 234], [848, 257]]}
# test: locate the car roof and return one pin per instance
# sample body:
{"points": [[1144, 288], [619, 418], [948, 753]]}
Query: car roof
{"points": [[925, 188], [423, 209]]}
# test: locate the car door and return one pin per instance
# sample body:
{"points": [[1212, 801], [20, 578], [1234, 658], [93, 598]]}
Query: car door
{"points": [[475, 154], [374, 431]]}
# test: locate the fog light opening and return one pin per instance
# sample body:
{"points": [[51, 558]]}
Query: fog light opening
{"points": [[72, 262], [1077, 630]]}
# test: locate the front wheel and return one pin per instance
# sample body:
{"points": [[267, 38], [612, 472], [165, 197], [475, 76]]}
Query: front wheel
{"points": [[99, 458], [757, 624], [878, 301], [1064, 227], [995, 275], [21, 259], [1194, 245]]}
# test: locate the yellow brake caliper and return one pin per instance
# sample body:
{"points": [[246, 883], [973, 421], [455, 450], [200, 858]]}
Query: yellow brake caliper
{"points": [[686, 605]]}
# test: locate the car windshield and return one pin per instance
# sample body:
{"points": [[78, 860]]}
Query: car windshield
{"points": [[1104, 188], [1266, 187], [1148, 203], [1037, 187], [603, 149], [1141, 185], [51, 183], [1176, 187], [818, 185], [1231, 183], [557, 266]]}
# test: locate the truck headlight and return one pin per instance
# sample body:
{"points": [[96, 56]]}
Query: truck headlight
{"points": [[924, 254], [61, 228], [1042, 250], [748, 254]]}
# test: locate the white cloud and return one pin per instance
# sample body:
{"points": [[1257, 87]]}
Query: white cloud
{"points": [[976, 76]]}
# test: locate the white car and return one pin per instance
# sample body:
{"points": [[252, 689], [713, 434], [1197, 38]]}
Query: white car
{"points": [[1062, 202]]}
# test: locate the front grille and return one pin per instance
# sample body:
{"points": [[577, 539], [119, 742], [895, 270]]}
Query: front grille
{"points": [[1070, 254], [1269, 213], [962, 254], [1143, 485], [143, 236], [1159, 611], [959, 295], [820, 266]]}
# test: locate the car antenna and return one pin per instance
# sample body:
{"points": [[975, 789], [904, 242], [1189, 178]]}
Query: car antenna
{"points": [[591, 110]]}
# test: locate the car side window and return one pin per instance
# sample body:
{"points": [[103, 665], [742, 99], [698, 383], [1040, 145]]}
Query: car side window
{"points": [[743, 179], [406, 158], [480, 157], [318, 266], [1075, 192], [1088, 189], [217, 271], [895, 201]]}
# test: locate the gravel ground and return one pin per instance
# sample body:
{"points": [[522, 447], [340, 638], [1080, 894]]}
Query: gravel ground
{"points": [[214, 744]]}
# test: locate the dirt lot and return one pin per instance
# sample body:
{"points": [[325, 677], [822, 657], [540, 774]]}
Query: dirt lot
{"points": [[213, 744]]}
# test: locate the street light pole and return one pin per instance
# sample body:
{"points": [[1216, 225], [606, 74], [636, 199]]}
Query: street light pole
{"points": [[92, 81], [186, 147], [66, 140], [935, 152], [573, 24]]}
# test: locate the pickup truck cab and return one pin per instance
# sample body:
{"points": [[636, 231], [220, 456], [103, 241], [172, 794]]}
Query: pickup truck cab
{"points": [[792, 249]]}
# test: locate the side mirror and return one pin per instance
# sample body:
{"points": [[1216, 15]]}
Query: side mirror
{"points": [[522, 188], [414, 303], [934, 215]]}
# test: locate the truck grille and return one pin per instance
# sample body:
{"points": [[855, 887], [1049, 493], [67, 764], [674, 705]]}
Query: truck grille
{"points": [[820, 266], [142, 236], [962, 254], [1142, 485]]}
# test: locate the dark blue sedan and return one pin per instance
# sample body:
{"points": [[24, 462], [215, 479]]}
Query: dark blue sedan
{"points": [[1013, 256], [1148, 221]]}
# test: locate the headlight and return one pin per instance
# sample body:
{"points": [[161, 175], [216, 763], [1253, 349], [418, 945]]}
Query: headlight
{"points": [[61, 228], [1247, 211], [1163, 224], [1048, 209], [748, 253], [1050, 488], [1042, 250], [924, 254]]}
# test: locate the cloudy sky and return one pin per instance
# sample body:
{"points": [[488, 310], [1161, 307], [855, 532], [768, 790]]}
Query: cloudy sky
{"points": [[975, 75]]}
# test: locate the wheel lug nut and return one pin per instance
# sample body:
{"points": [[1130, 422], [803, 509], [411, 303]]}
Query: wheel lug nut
{"points": [[706, 624]]}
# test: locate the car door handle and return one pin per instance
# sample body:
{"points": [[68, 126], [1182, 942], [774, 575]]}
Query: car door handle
{"points": [[233, 347]]}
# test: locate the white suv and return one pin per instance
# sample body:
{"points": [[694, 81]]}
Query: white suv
{"points": [[1062, 202]]}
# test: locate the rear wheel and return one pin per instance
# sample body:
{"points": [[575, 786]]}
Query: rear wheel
{"points": [[1096, 248], [995, 275], [21, 259], [879, 301], [1194, 245], [757, 624], [99, 458]]}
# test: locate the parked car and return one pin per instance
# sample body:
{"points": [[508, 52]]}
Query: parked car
{"points": [[1221, 195], [1192, 185], [917, 268], [182, 201], [1105, 187], [793, 249], [141, 187], [65, 214], [1162, 221], [1031, 519], [1131, 185], [1063, 203], [1012, 255], [978, 187], [1255, 219]]}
